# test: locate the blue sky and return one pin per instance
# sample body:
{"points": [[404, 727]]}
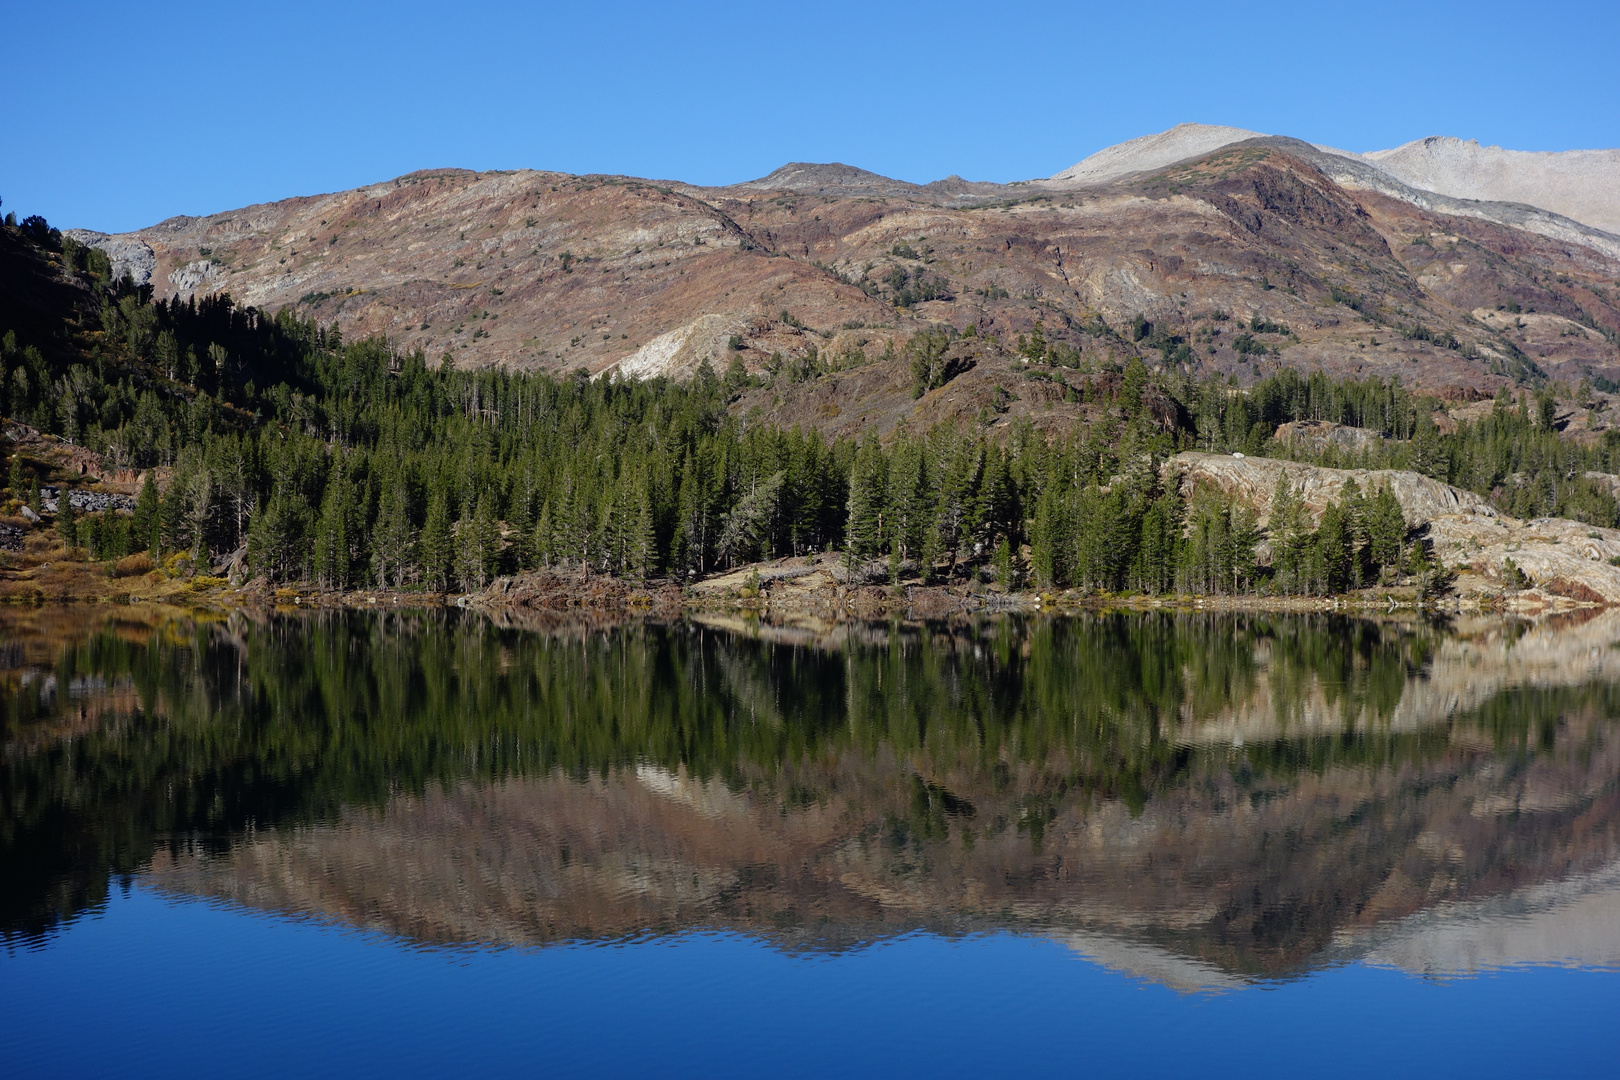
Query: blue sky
{"points": [[119, 114]]}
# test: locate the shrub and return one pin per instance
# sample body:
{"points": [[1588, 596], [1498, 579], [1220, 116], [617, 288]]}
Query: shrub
{"points": [[133, 565]]}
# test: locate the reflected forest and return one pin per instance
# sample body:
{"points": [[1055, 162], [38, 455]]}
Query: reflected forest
{"points": [[945, 764]]}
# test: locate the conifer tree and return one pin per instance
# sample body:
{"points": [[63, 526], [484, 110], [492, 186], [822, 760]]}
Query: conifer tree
{"points": [[1386, 528], [392, 555], [333, 531], [522, 525], [1006, 569], [1289, 534], [609, 535], [278, 539], [564, 543], [477, 543], [1354, 504], [868, 481], [67, 518], [643, 540], [1050, 539], [436, 547], [697, 508], [1156, 554], [1332, 544], [907, 496], [544, 530]]}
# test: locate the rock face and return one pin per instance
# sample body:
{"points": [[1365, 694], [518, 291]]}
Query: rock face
{"points": [[1560, 557], [128, 255], [1253, 481], [544, 270], [1320, 435]]}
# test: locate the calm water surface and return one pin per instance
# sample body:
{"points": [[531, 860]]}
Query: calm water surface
{"points": [[1142, 845]]}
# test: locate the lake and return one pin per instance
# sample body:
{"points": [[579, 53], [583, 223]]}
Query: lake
{"points": [[429, 843]]}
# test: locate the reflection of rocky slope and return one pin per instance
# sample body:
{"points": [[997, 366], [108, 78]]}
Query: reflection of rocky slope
{"points": [[1571, 922], [1196, 798], [1462, 674], [1252, 870]]}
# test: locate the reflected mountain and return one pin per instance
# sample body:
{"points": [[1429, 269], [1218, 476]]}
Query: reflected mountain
{"points": [[1196, 799]]}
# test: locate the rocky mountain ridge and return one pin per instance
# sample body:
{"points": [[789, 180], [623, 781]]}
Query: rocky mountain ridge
{"points": [[1583, 185], [544, 270], [1579, 186]]}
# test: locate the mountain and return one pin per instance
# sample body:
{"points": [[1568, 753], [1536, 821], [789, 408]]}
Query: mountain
{"points": [[1580, 184], [1359, 272], [1148, 152]]}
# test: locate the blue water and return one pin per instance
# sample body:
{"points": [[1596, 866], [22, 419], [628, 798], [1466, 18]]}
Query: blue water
{"points": [[151, 986], [428, 845]]}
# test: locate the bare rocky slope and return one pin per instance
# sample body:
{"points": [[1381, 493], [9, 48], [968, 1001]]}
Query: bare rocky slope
{"points": [[1579, 184], [537, 270], [1582, 186], [1149, 152]]}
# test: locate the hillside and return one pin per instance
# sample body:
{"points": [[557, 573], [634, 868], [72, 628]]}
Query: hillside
{"points": [[535, 270]]}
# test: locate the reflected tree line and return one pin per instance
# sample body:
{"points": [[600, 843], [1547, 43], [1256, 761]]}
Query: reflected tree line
{"points": [[188, 734]]}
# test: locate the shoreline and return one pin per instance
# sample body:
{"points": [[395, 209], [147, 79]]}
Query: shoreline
{"points": [[802, 589]]}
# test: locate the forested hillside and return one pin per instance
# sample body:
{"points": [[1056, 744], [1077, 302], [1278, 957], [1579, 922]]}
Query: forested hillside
{"points": [[345, 464]]}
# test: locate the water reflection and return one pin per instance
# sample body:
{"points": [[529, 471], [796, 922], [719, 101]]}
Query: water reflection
{"points": [[1198, 799]]}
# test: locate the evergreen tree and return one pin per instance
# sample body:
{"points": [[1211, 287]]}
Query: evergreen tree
{"points": [[1006, 568], [436, 547], [477, 544], [1333, 552], [392, 549], [1354, 505], [1386, 528], [743, 529], [868, 483], [1156, 556], [1290, 535], [544, 531], [278, 540], [67, 518], [333, 529], [565, 545], [907, 497], [643, 539], [1050, 539]]}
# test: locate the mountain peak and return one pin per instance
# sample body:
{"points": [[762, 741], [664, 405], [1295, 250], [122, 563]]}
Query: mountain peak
{"points": [[831, 178], [1149, 152]]}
